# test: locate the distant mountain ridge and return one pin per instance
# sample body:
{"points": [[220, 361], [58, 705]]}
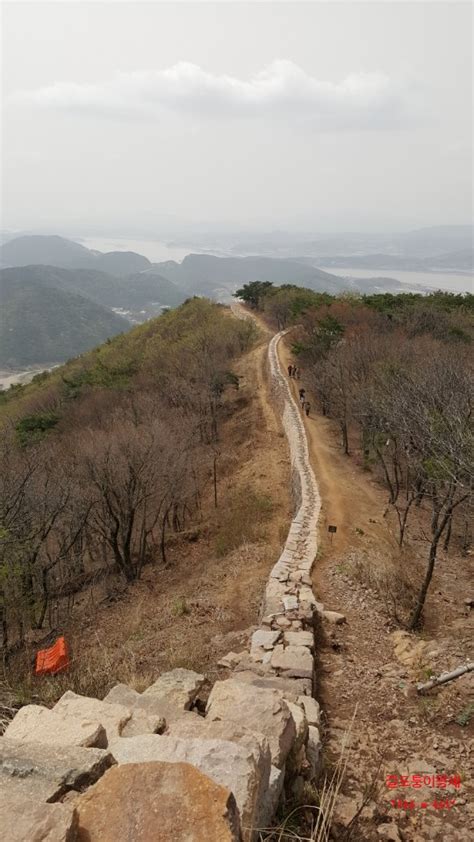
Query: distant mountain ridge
{"points": [[44, 324], [131, 292], [53, 250]]}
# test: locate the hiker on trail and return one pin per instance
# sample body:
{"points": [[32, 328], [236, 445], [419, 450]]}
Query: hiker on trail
{"points": [[302, 401], [290, 370], [307, 407], [297, 373], [293, 369], [302, 393]]}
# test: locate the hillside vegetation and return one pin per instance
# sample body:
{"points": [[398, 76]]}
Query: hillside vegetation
{"points": [[397, 375], [105, 459]]}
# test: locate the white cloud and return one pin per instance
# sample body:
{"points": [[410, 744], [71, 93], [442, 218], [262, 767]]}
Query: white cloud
{"points": [[281, 90]]}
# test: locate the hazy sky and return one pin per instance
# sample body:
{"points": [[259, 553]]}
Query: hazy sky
{"points": [[323, 116]]}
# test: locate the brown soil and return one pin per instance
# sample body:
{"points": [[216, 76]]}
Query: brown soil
{"points": [[368, 667], [206, 602]]}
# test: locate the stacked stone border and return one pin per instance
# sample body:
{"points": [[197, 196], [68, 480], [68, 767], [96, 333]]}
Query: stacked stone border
{"points": [[92, 768]]}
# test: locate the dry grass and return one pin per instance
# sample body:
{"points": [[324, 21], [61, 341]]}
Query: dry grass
{"points": [[311, 821], [393, 581], [242, 520], [91, 674]]}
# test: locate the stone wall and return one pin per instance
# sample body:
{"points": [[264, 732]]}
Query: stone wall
{"points": [[149, 766]]}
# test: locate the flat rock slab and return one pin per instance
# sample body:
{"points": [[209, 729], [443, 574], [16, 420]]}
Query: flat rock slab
{"points": [[36, 724], [233, 765], [294, 661], [157, 803], [262, 709], [23, 820], [178, 688], [112, 717], [264, 639], [52, 771], [299, 638]]}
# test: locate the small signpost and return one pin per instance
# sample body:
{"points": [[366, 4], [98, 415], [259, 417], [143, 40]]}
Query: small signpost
{"points": [[332, 531]]}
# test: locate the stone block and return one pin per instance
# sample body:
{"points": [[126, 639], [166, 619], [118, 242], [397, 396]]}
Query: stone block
{"points": [[291, 688], [52, 771], [299, 638], [142, 722], [157, 803], [311, 709], [264, 709], [314, 750], [237, 766], [36, 724], [264, 639], [111, 716], [295, 661], [25, 820], [290, 603], [271, 798], [148, 715], [301, 725], [178, 688], [122, 694]]}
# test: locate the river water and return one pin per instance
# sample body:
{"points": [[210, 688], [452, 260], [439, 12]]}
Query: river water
{"points": [[450, 281]]}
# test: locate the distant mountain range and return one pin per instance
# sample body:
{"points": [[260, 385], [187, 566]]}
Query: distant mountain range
{"points": [[57, 251], [59, 298]]}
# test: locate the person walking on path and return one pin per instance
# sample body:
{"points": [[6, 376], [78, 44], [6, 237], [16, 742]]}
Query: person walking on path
{"points": [[302, 393], [307, 408], [290, 370]]}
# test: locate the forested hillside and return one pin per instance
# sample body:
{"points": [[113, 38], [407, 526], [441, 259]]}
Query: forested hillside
{"points": [[41, 323], [105, 459]]}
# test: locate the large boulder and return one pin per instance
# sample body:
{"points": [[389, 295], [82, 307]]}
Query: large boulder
{"points": [[237, 766], [36, 724], [263, 710], [157, 803], [50, 772], [177, 688], [193, 725], [113, 718]]}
